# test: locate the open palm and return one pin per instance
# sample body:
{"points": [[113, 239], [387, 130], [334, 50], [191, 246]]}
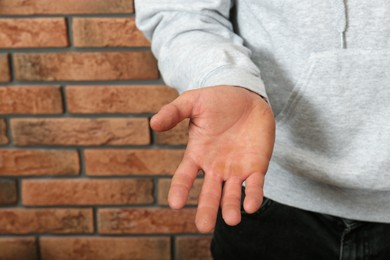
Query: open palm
{"points": [[231, 137]]}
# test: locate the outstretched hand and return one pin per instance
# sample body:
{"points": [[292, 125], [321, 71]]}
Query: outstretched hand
{"points": [[231, 137]]}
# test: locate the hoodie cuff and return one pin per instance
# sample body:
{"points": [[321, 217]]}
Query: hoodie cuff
{"points": [[235, 77]]}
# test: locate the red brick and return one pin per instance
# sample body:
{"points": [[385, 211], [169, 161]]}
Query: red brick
{"points": [[4, 67], [28, 221], [30, 100], [175, 136], [18, 248], [79, 66], [146, 221], [118, 99], [23, 7], [163, 188], [108, 248], [87, 192], [38, 162], [80, 131], [3, 132], [103, 32], [36, 32], [193, 248], [8, 192], [131, 162]]}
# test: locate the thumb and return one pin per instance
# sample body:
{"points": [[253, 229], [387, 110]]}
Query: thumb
{"points": [[175, 112]]}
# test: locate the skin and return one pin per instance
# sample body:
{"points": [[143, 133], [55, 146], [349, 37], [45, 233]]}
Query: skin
{"points": [[231, 137]]}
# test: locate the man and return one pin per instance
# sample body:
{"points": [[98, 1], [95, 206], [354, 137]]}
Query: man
{"points": [[324, 70]]}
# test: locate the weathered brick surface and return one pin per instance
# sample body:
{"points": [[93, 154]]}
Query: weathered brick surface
{"points": [[131, 162], [23, 7], [3, 132], [80, 131], [102, 32], [118, 99], [108, 248], [18, 248], [34, 32], [8, 192], [38, 162], [193, 248], [30, 100], [163, 188], [81, 66], [63, 65], [175, 136], [87, 192], [146, 220], [4, 69], [28, 221]]}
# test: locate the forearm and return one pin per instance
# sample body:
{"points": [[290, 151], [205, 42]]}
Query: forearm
{"points": [[195, 44]]}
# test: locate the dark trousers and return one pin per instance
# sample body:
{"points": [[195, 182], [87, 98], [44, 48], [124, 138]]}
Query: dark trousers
{"points": [[281, 232]]}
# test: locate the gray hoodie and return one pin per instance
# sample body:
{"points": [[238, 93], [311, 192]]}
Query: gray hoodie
{"points": [[325, 69]]}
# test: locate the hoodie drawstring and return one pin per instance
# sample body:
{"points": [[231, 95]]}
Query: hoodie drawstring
{"points": [[340, 11]]}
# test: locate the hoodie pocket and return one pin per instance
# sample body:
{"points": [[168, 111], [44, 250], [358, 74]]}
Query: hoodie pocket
{"points": [[335, 126]]}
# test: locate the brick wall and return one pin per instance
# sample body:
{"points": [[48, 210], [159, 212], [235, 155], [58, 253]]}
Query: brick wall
{"points": [[82, 175]]}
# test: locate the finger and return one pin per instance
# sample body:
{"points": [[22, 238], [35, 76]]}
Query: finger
{"points": [[182, 182], [231, 201], [208, 205], [173, 113], [253, 192]]}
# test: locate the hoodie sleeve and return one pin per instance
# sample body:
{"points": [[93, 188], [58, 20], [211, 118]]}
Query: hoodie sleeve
{"points": [[195, 44]]}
